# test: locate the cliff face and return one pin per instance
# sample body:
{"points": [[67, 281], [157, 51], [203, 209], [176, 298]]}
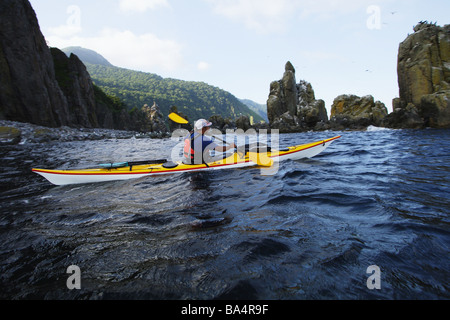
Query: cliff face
{"points": [[76, 84], [424, 79], [43, 86], [292, 107], [29, 91]]}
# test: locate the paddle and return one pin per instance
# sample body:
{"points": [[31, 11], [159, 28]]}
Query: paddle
{"points": [[259, 158], [176, 118]]}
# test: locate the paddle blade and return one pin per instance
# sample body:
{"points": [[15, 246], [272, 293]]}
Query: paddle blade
{"points": [[261, 159], [176, 118]]}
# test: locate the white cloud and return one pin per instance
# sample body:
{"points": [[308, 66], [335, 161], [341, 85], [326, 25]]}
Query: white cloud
{"points": [[271, 16], [328, 8], [64, 31], [73, 23], [145, 52], [141, 5], [202, 65], [263, 16]]}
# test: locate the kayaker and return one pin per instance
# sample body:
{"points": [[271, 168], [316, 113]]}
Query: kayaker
{"points": [[197, 145]]}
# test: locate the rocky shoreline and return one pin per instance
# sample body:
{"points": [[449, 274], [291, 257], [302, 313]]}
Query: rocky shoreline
{"points": [[12, 132], [19, 133]]}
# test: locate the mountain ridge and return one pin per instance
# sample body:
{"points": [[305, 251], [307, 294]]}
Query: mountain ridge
{"points": [[87, 55]]}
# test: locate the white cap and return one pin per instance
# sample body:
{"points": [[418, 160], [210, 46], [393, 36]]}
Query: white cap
{"points": [[200, 124]]}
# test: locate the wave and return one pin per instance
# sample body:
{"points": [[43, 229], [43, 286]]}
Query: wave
{"points": [[374, 128]]}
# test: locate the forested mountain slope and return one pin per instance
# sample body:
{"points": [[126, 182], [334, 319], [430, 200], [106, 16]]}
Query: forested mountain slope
{"points": [[194, 99]]}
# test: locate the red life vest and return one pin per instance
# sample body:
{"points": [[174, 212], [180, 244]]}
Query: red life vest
{"points": [[189, 151]]}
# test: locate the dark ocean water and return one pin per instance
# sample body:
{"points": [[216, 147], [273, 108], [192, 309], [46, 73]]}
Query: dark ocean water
{"points": [[308, 232]]}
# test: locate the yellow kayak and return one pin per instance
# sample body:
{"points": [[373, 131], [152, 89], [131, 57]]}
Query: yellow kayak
{"points": [[130, 170]]}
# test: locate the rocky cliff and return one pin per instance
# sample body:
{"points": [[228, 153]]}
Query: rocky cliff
{"points": [[43, 86], [76, 84], [293, 107], [424, 85], [29, 91], [424, 79]]}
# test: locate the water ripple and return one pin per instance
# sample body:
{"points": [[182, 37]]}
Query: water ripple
{"points": [[308, 232]]}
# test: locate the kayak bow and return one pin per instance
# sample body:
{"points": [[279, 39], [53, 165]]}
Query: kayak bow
{"points": [[134, 170]]}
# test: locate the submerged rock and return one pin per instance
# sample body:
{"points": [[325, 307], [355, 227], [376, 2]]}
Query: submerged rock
{"points": [[10, 135]]}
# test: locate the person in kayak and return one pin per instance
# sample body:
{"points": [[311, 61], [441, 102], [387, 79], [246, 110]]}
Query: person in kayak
{"points": [[197, 145]]}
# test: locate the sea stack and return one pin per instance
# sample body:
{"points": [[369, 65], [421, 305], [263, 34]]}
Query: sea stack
{"points": [[424, 79], [293, 107]]}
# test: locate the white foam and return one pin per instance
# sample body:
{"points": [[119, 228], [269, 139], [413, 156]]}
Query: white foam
{"points": [[373, 128]]}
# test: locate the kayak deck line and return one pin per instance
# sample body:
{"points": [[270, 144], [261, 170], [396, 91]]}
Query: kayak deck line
{"points": [[135, 171], [312, 145], [103, 174]]}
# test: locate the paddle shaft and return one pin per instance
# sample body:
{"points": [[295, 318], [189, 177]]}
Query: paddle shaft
{"points": [[137, 163], [131, 163]]}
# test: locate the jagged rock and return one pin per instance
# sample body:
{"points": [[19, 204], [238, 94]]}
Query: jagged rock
{"points": [[290, 89], [351, 111], [293, 107], [243, 122], [275, 107], [435, 109], [76, 83], [221, 124], [403, 117], [155, 118], [424, 78], [313, 113], [309, 110]]}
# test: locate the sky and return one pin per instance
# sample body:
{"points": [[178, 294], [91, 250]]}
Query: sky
{"points": [[241, 46]]}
